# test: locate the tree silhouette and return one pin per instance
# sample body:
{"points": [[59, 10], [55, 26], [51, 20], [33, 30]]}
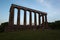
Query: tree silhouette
{"points": [[3, 25]]}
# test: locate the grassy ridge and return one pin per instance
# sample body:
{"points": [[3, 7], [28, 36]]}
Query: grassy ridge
{"points": [[31, 35]]}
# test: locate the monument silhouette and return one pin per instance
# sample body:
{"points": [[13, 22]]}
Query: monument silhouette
{"points": [[18, 27]]}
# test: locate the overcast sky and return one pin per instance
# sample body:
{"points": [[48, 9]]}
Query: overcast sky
{"points": [[52, 7]]}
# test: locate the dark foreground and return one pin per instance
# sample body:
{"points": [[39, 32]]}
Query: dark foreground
{"points": [[31, 35]]}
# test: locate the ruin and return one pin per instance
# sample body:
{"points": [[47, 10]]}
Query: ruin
{"points": [[18, 27]]}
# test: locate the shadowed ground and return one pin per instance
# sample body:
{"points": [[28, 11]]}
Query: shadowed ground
{"points": [[31, 35]]}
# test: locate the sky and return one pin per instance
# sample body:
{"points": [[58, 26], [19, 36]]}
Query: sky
{"points": [[52, 7]]}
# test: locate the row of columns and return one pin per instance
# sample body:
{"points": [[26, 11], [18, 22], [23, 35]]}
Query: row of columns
{"points": [[11, 19]]}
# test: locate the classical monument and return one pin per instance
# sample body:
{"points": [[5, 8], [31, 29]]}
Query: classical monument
{"points": [[18, 27]]}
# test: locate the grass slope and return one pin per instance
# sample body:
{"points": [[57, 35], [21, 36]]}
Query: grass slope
{"points": [[31, 35]]}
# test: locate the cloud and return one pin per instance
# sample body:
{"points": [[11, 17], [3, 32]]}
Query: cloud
{"points": [[53, 13], [41, 1], [44, 3]]}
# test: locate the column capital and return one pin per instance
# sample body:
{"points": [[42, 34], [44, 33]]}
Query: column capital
{"points": [[18, 8], [45, 14], [30, 11], [34, 12], [42, 14], [24, 9]]}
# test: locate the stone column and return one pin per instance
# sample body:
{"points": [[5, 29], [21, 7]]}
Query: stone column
{"points": [[39, 19], [18, 17], [43, 21], [30, 19], [11, 16], [24, 17], [35, 19], [46, 21]]}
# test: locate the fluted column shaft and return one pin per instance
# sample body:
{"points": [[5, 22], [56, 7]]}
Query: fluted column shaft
{"points": [[30, 19], [43, 20], [24, 17], [11, 17], [18, 17], [39, 19], [35, 22], [46, 21]]}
